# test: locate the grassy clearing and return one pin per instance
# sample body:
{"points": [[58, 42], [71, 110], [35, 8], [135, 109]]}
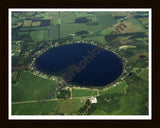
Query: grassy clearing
{"points": [[36, 23], [17, 25], [67, 18], [144, 74], [38, 28], [27, 23], [47, 108], [137, 53], [30, 87], [53, 33], [99, 112], [120, 14], [120, 88], [83, 92], [130, 27], [139, 27], [67, 107], [135, 102], [22, 33], [40, 35], [83, 14], [106, 20], [70, 106], [133, 105], [67, 29], [107, 31], [99, 39]]}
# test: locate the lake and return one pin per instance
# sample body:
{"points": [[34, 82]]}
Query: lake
{"points": [[81, 64]]}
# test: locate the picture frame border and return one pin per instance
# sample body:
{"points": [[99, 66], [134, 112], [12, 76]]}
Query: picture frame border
{"points": [[154, 5]]}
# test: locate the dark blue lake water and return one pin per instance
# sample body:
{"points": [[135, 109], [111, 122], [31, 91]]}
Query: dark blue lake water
{"points": [[81, 64]]}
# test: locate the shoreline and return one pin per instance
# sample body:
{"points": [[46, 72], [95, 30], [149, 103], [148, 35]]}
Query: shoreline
{"points": [[38, 73]]}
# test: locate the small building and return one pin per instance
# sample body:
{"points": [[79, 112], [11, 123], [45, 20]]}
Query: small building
{"points": [[93, 100]]}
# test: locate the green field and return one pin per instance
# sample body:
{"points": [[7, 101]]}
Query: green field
{"points": [[136, 100], [105, 19], [99, 39], [120, 88], [144, 74], [99, 112], [31, 87], [40, 35], [60, 107], [47, 108], [83, 92], [70, 106], [67, 29], [53, 33]]}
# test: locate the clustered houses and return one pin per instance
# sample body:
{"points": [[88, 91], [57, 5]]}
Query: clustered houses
{"points": [[56, 44]]}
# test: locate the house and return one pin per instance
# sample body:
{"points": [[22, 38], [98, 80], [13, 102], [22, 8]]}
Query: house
{"points": [[93, 100]]}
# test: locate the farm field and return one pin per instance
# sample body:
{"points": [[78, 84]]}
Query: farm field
{"points": [[118, 88], [83, 92], [40, 35], [31, 87], [70, 106], [48, 108]]}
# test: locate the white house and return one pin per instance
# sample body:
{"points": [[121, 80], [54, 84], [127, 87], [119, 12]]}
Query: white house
{"points": [[93, 100]]}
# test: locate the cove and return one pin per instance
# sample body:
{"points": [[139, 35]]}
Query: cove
{"points": [[81, 64]]}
